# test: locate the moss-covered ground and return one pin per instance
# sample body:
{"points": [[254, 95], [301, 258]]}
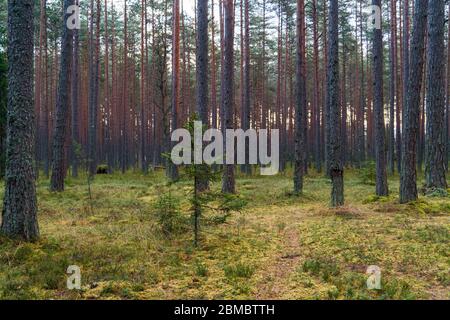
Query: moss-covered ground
{"points": [[281, 246]]}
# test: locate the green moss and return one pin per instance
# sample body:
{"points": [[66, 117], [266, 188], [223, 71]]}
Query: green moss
{"points": [[306, 250], [437, 193], [371, 199], [427, 207], [431, 233], [201, 269], [374, 198], [367, 173], [238, 270]]}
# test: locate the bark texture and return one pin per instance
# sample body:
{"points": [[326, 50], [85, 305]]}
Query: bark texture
{"points": [[19, 215], [62, 105], [335, 166], [202, 73], [228, 181], [408, 175], [75, 103], [173, 169], [435, 169], [380, 144], [246, 110], [300, 112]]}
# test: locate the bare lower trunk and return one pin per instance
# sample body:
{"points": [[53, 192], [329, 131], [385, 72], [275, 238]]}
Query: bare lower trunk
{"points": [[172, 168], [300, 114], [380, 150], [228, 181], [202, 73], [75, 106], [435, 169], [19, 215], [62, 105], [408, 176], [336, 170]]}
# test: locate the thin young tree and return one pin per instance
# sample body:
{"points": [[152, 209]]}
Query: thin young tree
{"points": [[408, 175], [228, 181], [380, 151], [62, 103], [300, 110], [435, 168], [336, 170], [19, 214]]}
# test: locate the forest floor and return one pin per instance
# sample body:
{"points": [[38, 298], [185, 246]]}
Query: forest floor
{"points": [[281, 246]]}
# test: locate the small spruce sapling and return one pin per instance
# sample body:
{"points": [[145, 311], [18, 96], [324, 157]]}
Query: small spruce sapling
{"points": [[219, 204]]}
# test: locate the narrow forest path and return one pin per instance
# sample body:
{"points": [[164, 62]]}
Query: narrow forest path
{"points": [[275, 277]]}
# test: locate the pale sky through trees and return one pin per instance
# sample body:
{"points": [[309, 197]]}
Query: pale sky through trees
{"points": [[187, 5]]}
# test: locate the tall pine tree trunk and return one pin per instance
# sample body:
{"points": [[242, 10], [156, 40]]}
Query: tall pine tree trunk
{"points": [[408, 176], [213, 70], [380, 150], [173, 169], [300, 110], [335, 166], [62, 105], [143, 91], [246, 88], [44, 121], [392, 85], [92, 104], [344, 108], [107, 97], [447, 119], [362, 106], [435, 169], [39, 82], [316, 119], [124, 106], [19, 215], [405, 67], [228, 181], [75, 103], [202, 74]]}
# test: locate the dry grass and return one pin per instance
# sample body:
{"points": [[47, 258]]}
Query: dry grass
{"points": [[281, 246]]}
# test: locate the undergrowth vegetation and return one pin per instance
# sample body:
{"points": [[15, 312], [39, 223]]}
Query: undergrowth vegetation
{"points": [[136, 243]]}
